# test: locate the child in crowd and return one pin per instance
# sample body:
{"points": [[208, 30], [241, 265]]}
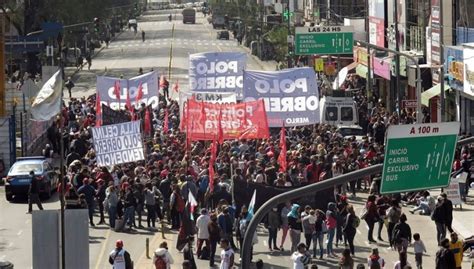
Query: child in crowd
{"points": [[419, 247]]}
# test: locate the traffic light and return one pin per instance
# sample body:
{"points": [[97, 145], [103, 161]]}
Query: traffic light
{"points": [[96, 24]]}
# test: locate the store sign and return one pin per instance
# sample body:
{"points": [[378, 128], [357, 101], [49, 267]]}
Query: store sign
{"points": [[361, 56], [377, 22], [468, 71]]}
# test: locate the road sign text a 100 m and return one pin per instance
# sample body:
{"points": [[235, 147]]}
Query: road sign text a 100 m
{"points": [[418, 156]]}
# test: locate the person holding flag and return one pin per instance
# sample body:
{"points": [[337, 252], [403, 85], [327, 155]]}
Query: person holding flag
{"points": [[245, 216]]}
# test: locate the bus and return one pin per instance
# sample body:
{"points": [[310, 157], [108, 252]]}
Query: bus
{"points": [[189, 15]]}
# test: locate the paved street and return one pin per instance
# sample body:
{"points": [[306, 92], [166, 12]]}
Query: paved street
{"points": [[125, 56]]}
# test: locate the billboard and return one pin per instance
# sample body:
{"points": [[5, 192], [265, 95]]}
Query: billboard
{"points": [[377, 22]]}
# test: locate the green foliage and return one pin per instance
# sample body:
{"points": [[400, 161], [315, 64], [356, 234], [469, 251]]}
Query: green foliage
{"points": [[278, 38]]}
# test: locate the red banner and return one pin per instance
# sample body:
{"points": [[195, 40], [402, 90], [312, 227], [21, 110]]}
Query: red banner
{"points": [[247, 120]]}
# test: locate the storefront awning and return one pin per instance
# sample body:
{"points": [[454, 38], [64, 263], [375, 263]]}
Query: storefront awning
{"points": [[428, 94]]}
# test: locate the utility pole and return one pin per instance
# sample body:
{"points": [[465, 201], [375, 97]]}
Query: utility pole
{"points": [[397, 91], [369, 62], [441, 61]]}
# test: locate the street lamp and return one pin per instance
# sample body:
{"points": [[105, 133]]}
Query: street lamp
{"points": [[419, 117]]}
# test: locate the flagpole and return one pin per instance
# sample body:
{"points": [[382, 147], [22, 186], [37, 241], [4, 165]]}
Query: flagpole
{"points": [[61, 161]]}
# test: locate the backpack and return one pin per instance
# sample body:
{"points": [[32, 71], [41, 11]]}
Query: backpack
{"points": [[375, 264], [179, 203], [205, 253], [355, 222], [160, 263]]}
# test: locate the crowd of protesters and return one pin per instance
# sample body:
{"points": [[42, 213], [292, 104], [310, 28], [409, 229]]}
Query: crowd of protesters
{"points": [[158, 188]]}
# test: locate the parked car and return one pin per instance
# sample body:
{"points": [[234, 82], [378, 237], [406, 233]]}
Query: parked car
{"points": [[18, 179], [218, 21], [223, 35], [349, 131]]}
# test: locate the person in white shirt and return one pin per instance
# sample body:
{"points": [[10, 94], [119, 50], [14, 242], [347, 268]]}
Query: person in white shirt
{"points": [[301, 257], [162, 255], [375, 259], [227, 255], [202, 231]]}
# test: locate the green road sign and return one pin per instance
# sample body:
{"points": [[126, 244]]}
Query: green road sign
{"points": [[324, 40], [418, 156]]}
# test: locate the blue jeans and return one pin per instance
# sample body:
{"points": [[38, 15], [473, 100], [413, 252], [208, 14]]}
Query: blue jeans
{"points": [[129, 215], [331, 233], [318, 238], [112, 216]]}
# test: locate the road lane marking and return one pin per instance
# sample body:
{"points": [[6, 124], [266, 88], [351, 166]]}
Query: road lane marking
{"points": [[19, 232], [265, 243], [10, 245], [102, 250], [269, 257]]}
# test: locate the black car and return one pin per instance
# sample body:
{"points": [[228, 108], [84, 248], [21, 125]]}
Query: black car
{"points": [[223, 35]]}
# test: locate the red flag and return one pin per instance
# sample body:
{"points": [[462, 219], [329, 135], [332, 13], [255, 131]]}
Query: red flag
{"points": [[211, 165], [139, 94], [98, 111], [186, 121], [165, 122], [129, 105], [282, 156], [220, 136], [176, 86], [117, 90], [147, 126]]}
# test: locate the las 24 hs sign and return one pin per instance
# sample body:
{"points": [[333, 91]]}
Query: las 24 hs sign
{"points": [[118, 143]]}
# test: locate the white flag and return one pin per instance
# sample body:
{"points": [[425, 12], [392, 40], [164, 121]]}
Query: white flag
{"points": [[47, 103], [192, 204], [251, 205]]}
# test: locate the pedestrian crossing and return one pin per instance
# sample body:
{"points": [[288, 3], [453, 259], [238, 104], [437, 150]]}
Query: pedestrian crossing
{"points": [[176, 42]]}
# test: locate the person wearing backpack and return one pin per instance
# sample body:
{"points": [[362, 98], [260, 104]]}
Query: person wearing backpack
{"points": [[375, 261], [177, 207], [401, 234], [162, 259], [393, 214], [350, 227], [444, 256]]}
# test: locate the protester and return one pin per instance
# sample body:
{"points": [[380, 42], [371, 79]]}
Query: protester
{"points": [[294, 223], [214, 237], [284, 223], [445, 257], [401, 234], [273, 224], [301, 258], [202, 224], [374, 260], [393, 217], [320, 229], [33, 193], [227, 255], [439, 217], [350, 228], [346, 261], [89, 193], [371, 217], [119, 258], [331, 223], [456, 246], [162, 259]]}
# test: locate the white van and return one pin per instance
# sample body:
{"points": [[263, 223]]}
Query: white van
{"points": [[338, 111]]}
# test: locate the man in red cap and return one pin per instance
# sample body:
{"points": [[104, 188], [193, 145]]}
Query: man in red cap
{"points": [[89, 193], [119, 258]]}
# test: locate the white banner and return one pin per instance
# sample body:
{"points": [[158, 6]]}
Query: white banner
{"points": [[118, 143], [211, 97]]}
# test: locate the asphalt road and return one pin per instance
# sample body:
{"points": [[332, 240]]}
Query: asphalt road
{"points": [[125, 56]]}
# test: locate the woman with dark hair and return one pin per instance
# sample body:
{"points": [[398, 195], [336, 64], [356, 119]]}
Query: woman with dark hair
{"points": [[401, 234], [371, 217], [402, 260], [350, 225]]}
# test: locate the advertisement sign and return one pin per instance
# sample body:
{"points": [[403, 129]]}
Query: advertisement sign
{"points": [[468, 70], [148, 82], [207, 121], [118, 143], [291, 96], [435, 37], [377, 22], [217, 72]]}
